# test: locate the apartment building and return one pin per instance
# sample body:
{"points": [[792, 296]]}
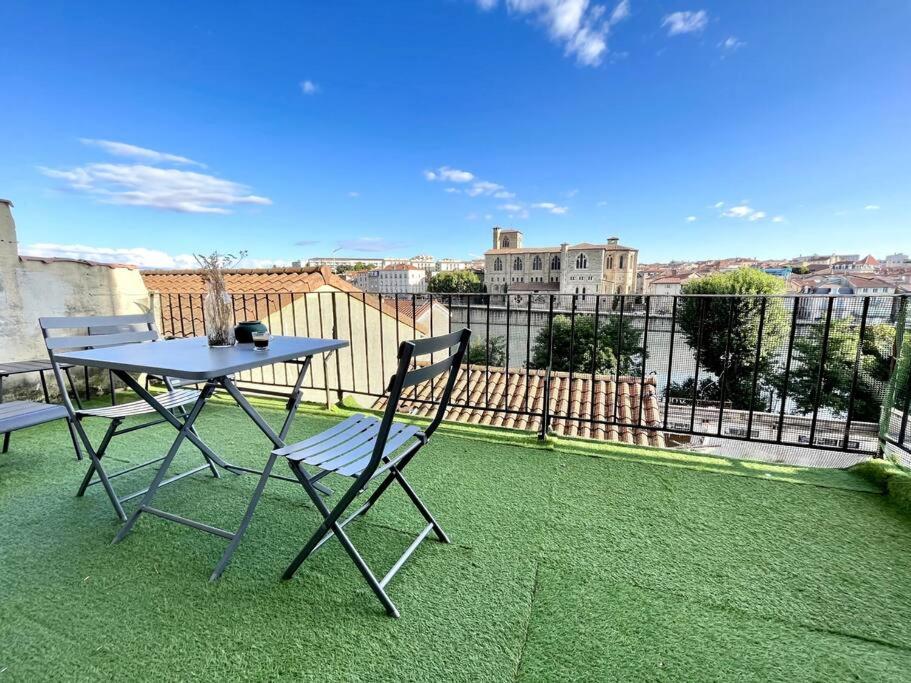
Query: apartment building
{"points": [[401, 278]]}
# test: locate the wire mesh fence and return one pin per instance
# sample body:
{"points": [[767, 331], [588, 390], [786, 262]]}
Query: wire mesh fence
{"points": [[816, 380]]}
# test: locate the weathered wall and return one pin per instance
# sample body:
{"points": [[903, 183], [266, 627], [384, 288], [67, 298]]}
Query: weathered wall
{"points": [[31, 288]]}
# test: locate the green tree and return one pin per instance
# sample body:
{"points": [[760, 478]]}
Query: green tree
{"points": [[477, 352], [709, 390], [455, 282], [800, 270], [578, 341], [725, 329], [360, 265], [838, 370]]}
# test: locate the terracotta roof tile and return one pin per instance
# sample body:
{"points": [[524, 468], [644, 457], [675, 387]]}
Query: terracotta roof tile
{"points": [[257, 293], [506, 389]]}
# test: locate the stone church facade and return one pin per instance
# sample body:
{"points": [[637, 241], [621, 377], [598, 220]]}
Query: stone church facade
{"points": [[583, 268]]}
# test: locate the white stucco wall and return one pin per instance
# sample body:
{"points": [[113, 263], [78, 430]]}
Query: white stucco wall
{"points": [[30, 289]]}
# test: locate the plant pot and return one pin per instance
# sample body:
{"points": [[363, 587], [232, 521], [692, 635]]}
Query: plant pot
{"points": [[243, 331]]}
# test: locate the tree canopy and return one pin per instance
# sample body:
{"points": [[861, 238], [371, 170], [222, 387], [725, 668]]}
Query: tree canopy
{"points": [[838, 370], [577, 341], [725, 330], [455, 282], [478, 352]]}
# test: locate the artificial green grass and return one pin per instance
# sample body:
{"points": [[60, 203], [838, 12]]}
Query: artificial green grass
{"points": [[631, 564]]}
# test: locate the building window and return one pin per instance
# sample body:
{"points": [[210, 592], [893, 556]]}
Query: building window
{"points": [[610, 262], [622, 262], [517, 263], [581, 261], [497, 264], [555, 262], [536, 263], [505, 243]]}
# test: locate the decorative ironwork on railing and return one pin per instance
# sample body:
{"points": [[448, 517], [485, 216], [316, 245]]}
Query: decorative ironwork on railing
{"points": [[827, 373]]}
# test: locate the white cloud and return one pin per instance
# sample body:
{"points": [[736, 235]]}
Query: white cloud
{"points": [[452, 190], [871, 207], [685, 22], [744, 210], [138, 256], [515, 210], [690, 219], [621, 12], [122, 149], [370, 244], [450, 175], [578, 25], [731, 43], [309, 87], [484, 187], [168, 189], [550, 207], [354, 195], [571, 193]]}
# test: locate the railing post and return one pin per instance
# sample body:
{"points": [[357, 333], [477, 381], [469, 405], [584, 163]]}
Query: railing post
{"points": [[545, 410], [885, 419]]}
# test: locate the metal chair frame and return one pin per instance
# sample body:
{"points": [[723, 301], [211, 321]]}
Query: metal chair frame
{"points": [[117, 414], [364, 465]]}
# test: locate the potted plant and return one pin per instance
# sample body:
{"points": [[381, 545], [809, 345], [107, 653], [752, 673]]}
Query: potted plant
{"points": [[217, 308]]}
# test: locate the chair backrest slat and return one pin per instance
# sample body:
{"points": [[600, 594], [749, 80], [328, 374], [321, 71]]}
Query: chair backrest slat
{"points": [[97, 341], [87, 321], [427, 372], [433, 344]]}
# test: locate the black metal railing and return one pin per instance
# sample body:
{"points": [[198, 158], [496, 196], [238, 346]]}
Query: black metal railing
{"points": [[831, 374]]}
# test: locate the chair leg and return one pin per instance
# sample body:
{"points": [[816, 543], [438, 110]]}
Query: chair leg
{"points": [[74, 438], [331, 525], [99, 470], [6, 442], [99, 454], [395, 474]]}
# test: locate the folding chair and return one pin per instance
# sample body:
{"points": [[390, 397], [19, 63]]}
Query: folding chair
{"points": [[364, 448], [108, 331]]}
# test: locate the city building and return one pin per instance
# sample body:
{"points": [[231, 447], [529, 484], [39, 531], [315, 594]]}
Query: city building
{"points": [[449, 264], [566, 269], [396, 278], [424, 261], [897, 259]]}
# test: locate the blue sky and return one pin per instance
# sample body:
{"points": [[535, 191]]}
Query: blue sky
{"points": [[149, 131]]}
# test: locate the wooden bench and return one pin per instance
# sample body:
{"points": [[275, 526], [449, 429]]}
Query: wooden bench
{"points": [[15, 415]]}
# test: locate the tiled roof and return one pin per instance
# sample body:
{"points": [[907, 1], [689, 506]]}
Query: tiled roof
{"points": [[246, 280], [406, 305], [258, 293], [507, 389]]}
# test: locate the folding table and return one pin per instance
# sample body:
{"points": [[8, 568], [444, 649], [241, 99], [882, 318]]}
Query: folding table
{"points": [[193, 359]]}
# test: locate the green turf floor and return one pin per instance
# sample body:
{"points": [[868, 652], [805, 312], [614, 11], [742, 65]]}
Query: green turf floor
{"points": [[632, 566]]}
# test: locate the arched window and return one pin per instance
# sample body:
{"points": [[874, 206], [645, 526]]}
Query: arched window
{"points": [[497, 264], [610, 262], [622, 262], [555, 262], [517, 263], [536, 263], [581, 261], [505, 242]]}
